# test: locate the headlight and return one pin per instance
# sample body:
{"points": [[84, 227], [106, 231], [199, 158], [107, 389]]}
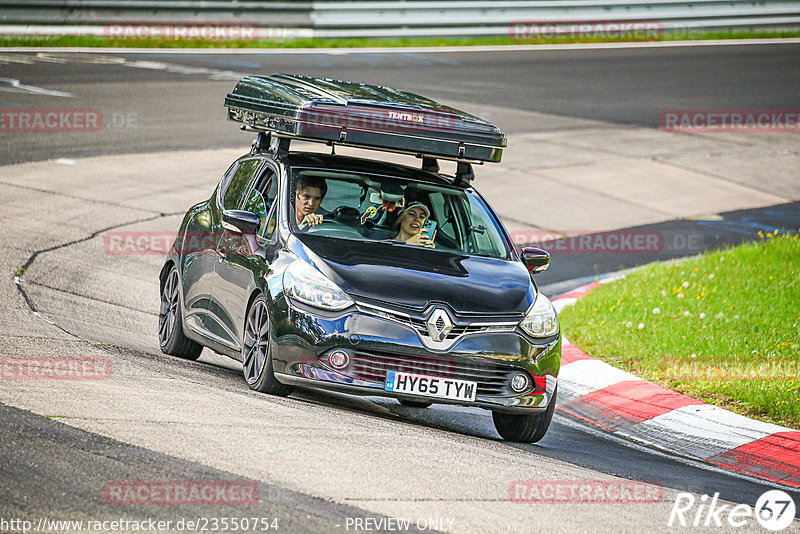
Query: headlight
{"points": [[307, 285], [541, 320]]}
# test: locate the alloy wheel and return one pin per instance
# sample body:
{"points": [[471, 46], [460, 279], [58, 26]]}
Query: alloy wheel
{"points": [[169, 308], [256, 341]]}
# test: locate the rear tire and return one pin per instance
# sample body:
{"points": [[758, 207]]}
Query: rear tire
{"points": [[257, 351], [170, 322], [525, 428], [415, 404]]}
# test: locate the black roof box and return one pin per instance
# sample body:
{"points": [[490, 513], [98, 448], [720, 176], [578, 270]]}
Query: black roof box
{"points": [[361, 115]]}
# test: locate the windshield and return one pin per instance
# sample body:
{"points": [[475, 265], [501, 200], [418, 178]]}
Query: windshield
{"points": [[350, 205]]}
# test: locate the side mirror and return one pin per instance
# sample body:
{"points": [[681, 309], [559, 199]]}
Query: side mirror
{"points": [[535, 259], [240, 221]]}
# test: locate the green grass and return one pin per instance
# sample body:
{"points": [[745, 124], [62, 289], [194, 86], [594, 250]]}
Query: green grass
{"points": [[104, 42], [723, 327]]}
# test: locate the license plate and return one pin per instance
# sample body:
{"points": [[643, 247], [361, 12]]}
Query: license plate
{"points": [[431, 386]]}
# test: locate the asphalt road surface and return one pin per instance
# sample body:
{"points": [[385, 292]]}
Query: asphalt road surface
{"points": [[162, 93], [320, 460]]}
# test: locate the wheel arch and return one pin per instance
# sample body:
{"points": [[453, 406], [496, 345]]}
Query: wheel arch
{"points": [[162, 276], [253, 296]]}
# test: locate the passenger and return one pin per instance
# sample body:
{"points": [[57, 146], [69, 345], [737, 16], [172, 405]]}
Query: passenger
{"points": [[410, 222], [309, 192]]}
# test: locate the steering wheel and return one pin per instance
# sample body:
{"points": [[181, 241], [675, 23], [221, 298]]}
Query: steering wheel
{"points": [[305, 227], [330, 228]]}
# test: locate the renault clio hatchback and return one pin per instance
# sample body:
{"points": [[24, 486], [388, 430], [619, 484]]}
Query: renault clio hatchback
{"points": [[403, 283]]}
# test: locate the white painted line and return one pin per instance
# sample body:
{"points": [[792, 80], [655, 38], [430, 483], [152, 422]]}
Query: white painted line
{"points": [[15, 86], [700, 431], [585, 376], [43, 317], [65, 161], [410, 49]]}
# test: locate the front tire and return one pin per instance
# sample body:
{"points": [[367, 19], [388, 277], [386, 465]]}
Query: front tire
{"points": [[257, 352], [170, 322], [525, 428]]}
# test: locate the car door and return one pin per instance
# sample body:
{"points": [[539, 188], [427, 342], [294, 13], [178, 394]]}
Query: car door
{"points": [[239, 262], [205, 318], [198, 258]]}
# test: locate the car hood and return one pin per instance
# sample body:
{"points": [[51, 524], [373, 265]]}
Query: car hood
{"points": [[414, 277]]}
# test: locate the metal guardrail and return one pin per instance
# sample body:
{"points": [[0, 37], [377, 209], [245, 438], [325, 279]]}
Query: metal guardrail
{"points": [[409, 18]]}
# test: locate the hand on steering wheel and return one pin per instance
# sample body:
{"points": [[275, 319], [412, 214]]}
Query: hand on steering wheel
{"points": [[312, 219]]}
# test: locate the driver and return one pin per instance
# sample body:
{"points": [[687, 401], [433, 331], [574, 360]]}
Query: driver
{"points": [[309, 192]]}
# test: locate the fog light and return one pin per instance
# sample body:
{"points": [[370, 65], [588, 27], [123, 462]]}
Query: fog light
{"points": [[519, 382], [339, 359]]}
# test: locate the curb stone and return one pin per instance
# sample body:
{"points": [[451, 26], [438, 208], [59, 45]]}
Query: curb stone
{"points": [[621, 403]]}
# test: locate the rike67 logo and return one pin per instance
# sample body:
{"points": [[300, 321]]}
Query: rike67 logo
{"points": [[774, 510]]}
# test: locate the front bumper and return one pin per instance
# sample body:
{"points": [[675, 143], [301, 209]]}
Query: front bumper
{"points": [[303, 338]]}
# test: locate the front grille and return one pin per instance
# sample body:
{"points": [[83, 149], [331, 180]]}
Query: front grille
{"points": [[459, 330], [421, 326], [492, 379]]}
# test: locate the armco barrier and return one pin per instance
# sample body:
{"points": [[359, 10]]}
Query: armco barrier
{"points": [[335, 19]]}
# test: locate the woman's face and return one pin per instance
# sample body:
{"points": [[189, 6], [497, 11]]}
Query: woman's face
{"points": [[412, 221]]}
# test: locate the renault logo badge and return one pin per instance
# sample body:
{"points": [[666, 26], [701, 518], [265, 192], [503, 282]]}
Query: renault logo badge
{"points": [[439, 325]]}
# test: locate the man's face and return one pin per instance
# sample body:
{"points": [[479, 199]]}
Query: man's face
{"points": [[306, 202]]}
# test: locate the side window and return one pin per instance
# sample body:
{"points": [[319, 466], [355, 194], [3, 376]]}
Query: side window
{"points": [[269, 187], [484, 236], [268, 229], [237, 186], [260, 200]]}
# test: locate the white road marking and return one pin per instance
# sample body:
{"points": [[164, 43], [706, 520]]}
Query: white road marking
{"points": [[104, 59], [701, 431], [96, 59], [560, 304], [585, 376], [15, 86], [15, 58], [214, 74]]}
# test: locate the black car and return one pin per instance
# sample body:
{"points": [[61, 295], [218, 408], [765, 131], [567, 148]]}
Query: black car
{"points": [[358, 298]]}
